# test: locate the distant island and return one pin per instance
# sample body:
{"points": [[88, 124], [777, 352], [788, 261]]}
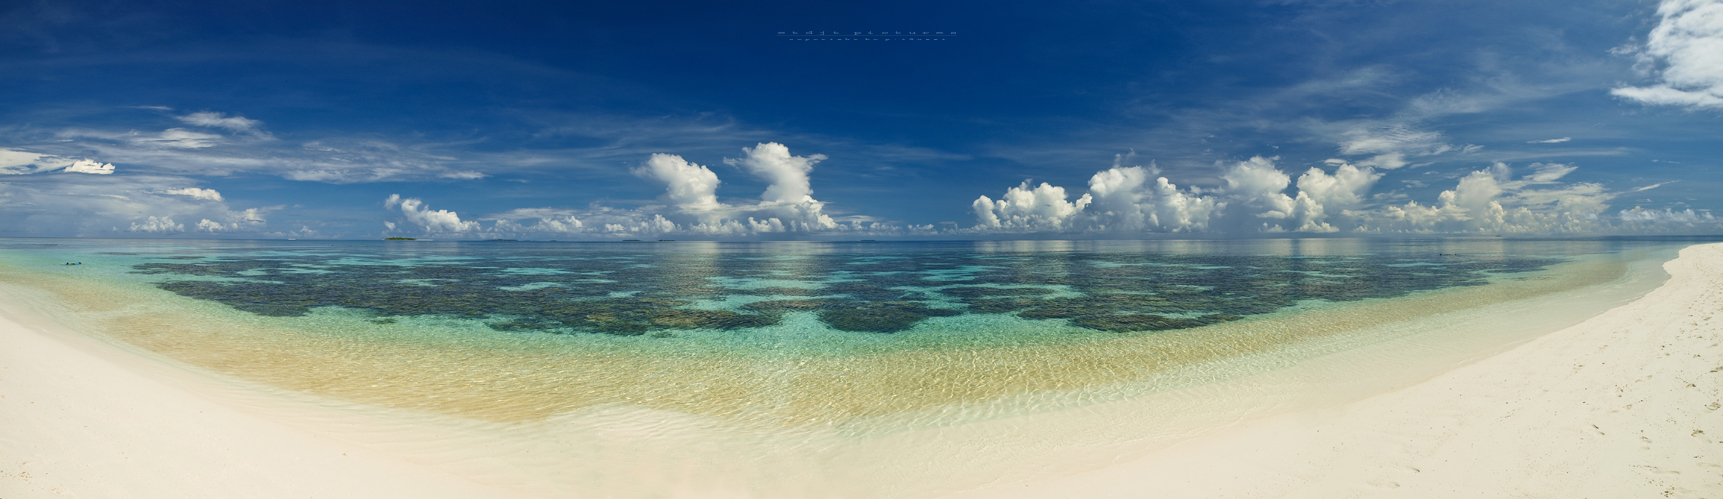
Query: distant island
{"points": [[399, 239]]}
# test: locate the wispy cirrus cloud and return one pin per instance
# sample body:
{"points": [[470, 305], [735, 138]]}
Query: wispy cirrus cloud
{"points": [[16, 162], [109, 205], [172, 138], [1390, 144], [241, 149], [235, 124], [219, 120], [220, 144]]}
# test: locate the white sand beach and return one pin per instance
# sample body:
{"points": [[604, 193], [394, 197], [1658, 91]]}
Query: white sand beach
{"points": [[80, 419], [1623, 404]]}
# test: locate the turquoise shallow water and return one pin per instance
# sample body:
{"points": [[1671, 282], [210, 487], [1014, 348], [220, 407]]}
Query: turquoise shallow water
{"points": [[774, 333], [659, 289], [830, 366]]}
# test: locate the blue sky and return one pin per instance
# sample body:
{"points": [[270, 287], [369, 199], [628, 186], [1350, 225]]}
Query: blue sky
{"points": [[611, 120]]}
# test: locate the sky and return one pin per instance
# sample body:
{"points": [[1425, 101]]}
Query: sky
{"points": [[805, 121]]}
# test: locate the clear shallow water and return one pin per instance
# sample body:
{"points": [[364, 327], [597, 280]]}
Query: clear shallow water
{"points": [[658, 289], [774, 333]]}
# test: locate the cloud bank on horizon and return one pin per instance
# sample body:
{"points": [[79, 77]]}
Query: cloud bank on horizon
{"points": [[1404, 118], [1257, 198]]}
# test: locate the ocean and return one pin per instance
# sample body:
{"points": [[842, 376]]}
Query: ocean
{"points": [[824, 357]]}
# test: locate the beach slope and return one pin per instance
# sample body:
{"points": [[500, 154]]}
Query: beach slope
{"points": [[1625, 404], [77, 421]]}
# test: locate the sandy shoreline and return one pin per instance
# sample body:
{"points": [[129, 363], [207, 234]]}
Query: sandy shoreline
{"points": [[1622, 405], [77, 420]]}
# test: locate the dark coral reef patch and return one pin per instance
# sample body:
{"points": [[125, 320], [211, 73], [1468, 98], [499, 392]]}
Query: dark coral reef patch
{"points": [[633, 292]]}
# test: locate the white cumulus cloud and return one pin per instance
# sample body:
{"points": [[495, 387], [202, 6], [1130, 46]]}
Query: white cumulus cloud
{"points": [[1025, 208], [690, 187], [1688, 44], [788, 202], [1257, 196], [690, 190], [1493, 201], [1257, 189], [434, 221], [1322, 195], [1134, 198], [157, 225], [787, 174], [547, 221], [196, 193], [1121, 199], [90, 166]]}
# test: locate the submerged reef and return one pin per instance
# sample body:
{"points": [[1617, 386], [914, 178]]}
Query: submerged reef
{"points": [[641, 292]]}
